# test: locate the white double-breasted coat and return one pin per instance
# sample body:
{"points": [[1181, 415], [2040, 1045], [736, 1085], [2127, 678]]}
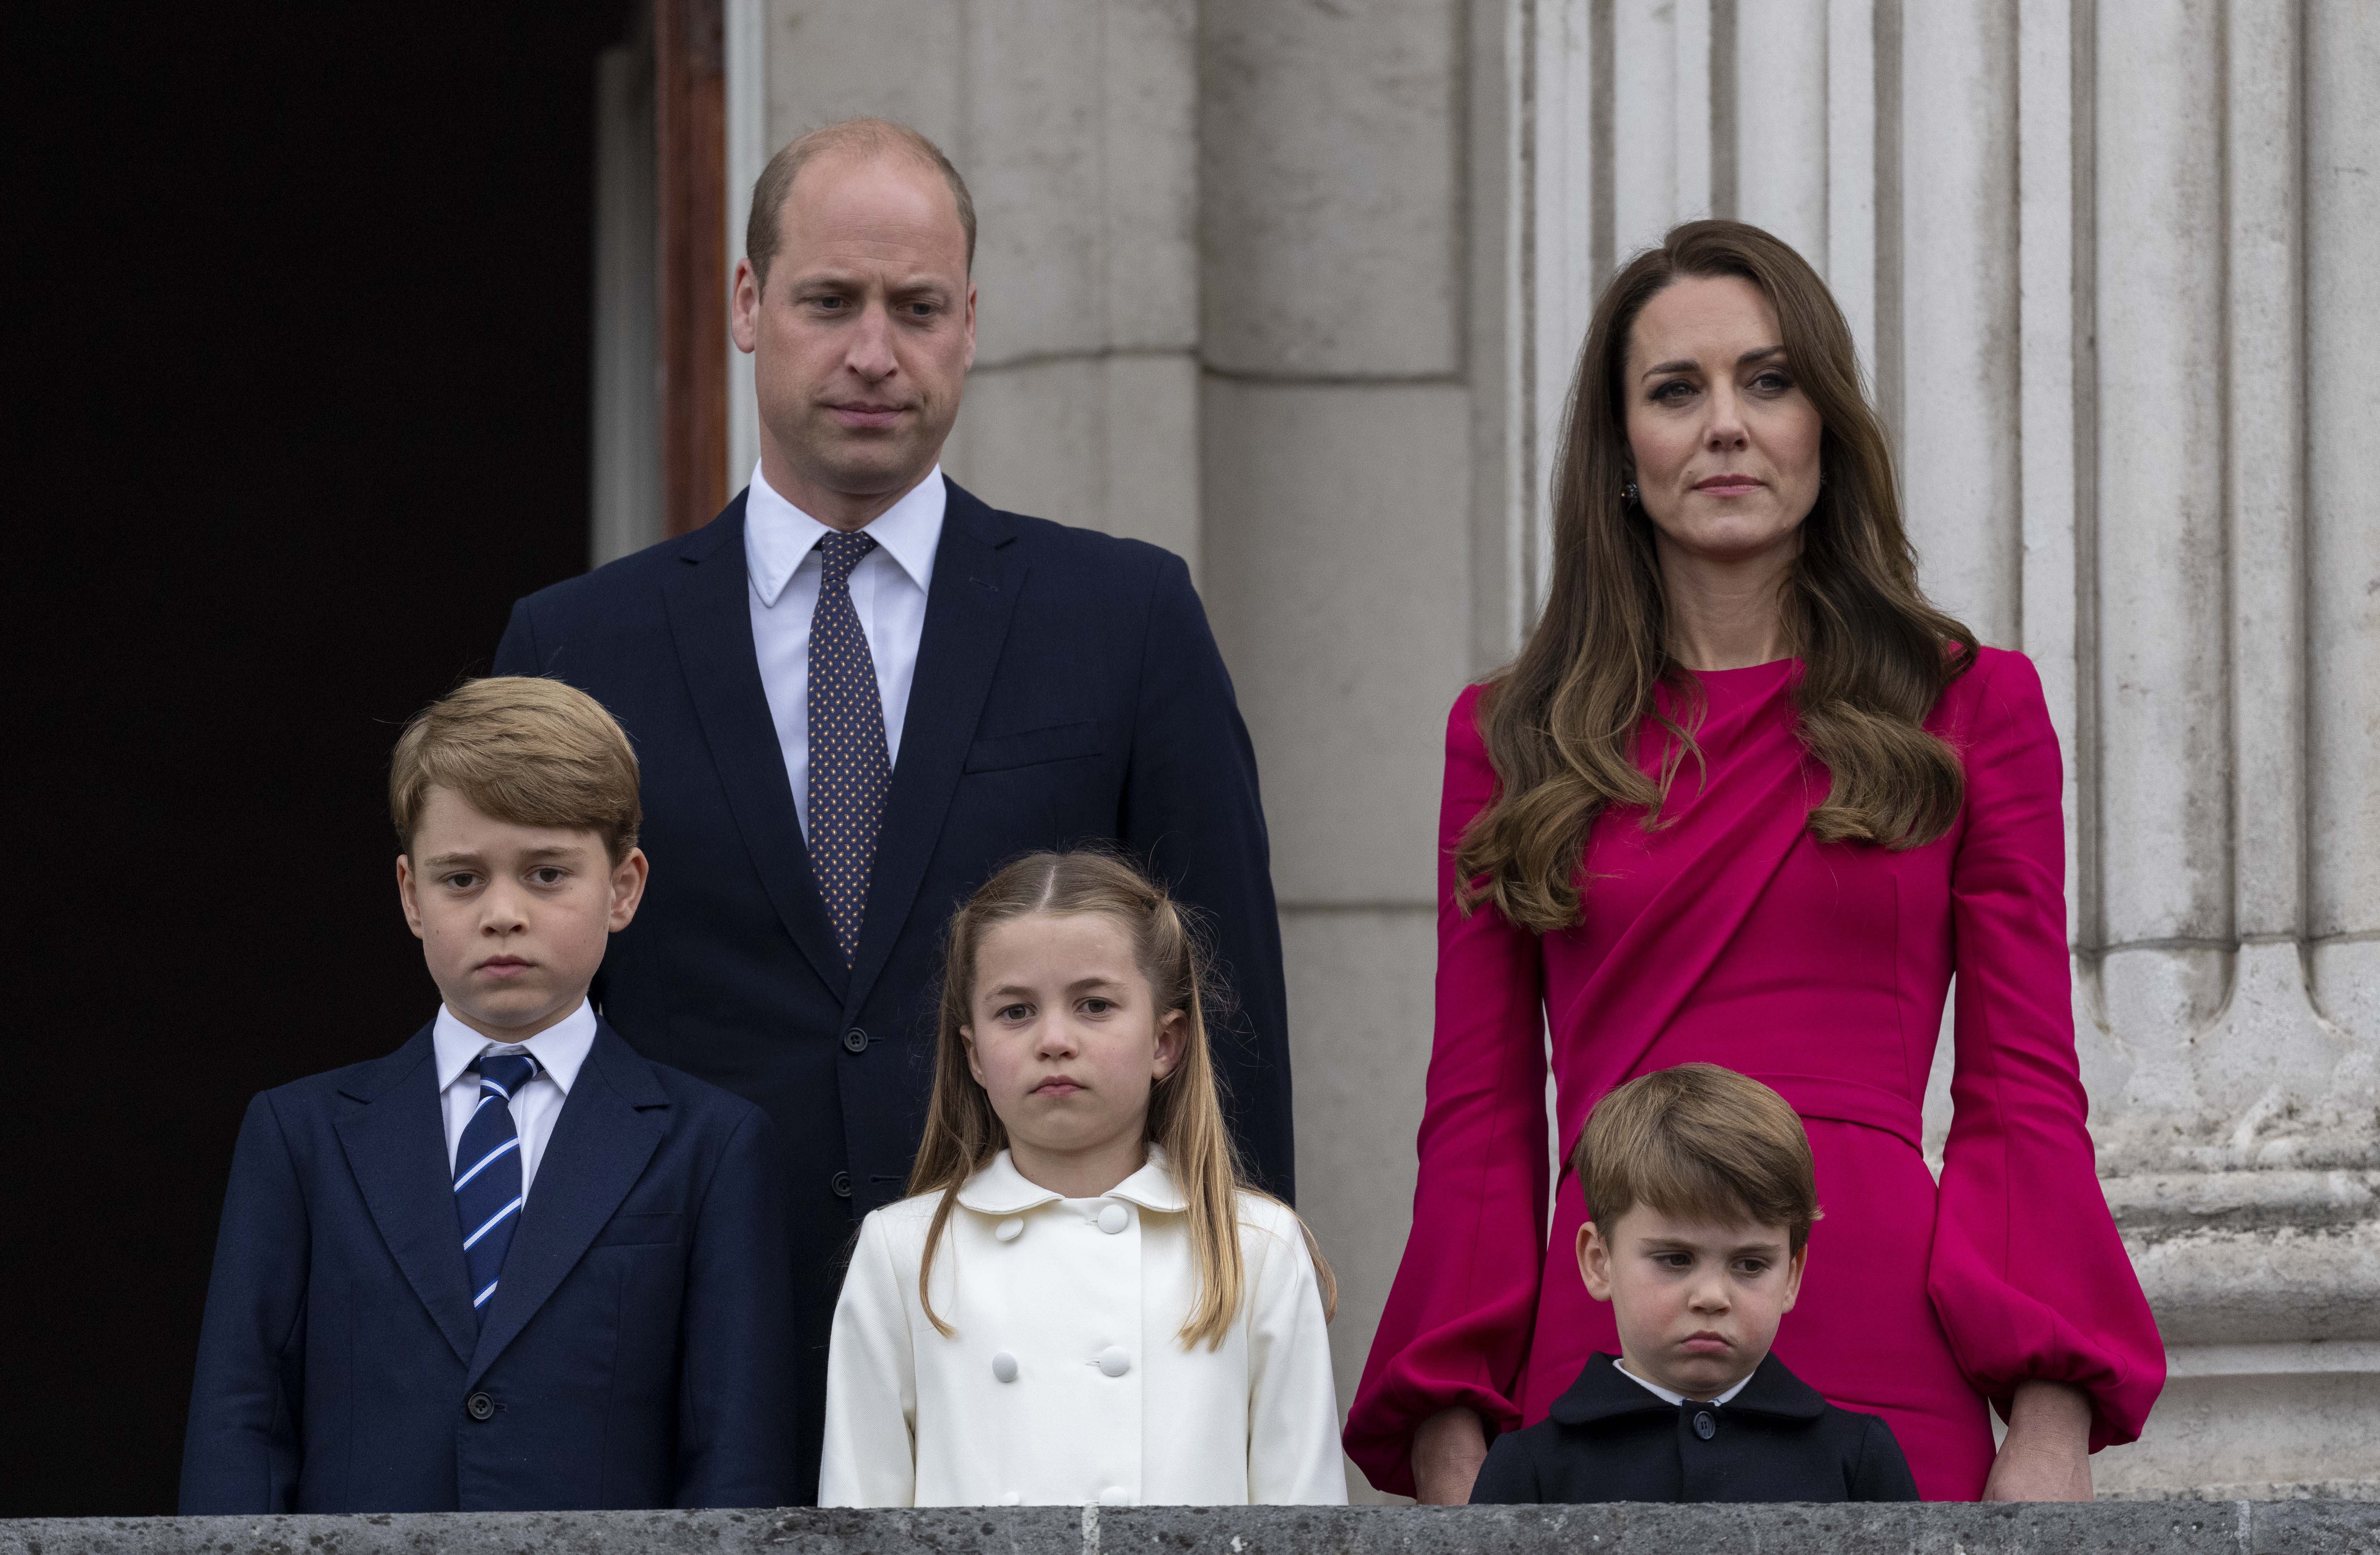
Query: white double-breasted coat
{"points": [[1067, 1381]]}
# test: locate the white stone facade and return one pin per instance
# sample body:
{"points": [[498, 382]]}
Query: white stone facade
{"points": [[1295, 289]]}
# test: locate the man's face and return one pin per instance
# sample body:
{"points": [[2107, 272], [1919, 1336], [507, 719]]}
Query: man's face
{"points": [[513, 919], [862, 337], [1696, 1302]]}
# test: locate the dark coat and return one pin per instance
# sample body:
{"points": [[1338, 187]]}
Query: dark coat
{"points": [[1067, 691], [1608, 1439], [636, 1354]]}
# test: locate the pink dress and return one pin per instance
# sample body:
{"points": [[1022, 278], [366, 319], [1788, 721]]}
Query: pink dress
{"points": [[1734, 937]]}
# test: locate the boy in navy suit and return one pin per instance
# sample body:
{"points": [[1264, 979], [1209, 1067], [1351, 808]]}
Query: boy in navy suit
{"points": [[511, 1266], [1702, 1194]]}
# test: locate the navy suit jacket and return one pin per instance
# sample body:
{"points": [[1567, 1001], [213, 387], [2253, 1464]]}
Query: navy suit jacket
{"points": [[636, 1354], [1067, 691]]}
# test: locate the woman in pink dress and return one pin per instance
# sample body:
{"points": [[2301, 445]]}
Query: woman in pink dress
{"points": [[1745, 798]]}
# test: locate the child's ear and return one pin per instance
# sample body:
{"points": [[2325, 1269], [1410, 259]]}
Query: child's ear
{"points": [[404, 896], [1595, 1262], [1793, 1278], [1173, 1040], [628, 887], [974, 1064]]}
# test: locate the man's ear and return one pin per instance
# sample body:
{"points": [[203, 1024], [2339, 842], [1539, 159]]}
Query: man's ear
{"points": [[1172, 1040], [1595, 1262], [970, 322], [405, 883], [628, 887], [744, 307]]}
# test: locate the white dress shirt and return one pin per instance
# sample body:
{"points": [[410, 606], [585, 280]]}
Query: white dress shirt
{"points": [[888, 591], [1066, 1381], [559, 1050], [1666, 1396]]}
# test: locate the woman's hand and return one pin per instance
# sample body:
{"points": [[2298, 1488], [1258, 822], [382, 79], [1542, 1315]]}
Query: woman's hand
{"points": [[1448, 1448], [2047, 1454]]}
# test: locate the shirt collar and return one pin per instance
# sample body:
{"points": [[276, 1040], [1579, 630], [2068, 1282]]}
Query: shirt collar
{"points": [[778, 537], [1000, 1189], [559, 1050], [1666, 1396]]}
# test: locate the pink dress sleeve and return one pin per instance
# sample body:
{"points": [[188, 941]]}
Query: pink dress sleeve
{"points": [[2028, 1274], [1456, 1328]]}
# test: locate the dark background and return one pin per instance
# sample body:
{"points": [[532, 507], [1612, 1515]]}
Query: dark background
{"points": [[299, 368]]}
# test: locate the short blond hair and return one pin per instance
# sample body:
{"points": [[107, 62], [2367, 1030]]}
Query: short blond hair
{"points": [[869, 138], [526, 750], [1701, 1143]]}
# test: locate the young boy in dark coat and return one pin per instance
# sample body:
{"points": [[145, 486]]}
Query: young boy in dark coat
{"points": [[512, 1266], [1701, 1195]]}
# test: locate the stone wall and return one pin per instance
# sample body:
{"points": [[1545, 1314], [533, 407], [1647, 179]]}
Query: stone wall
{"points": [[2238, 1528], [1295, 290]]}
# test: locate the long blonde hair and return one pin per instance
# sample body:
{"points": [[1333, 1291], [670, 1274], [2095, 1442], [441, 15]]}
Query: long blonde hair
{"points": [[1185, 1113], [1561, 723]]}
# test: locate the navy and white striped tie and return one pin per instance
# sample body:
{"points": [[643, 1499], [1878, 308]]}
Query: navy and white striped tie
{"points": [[487, 1171]]}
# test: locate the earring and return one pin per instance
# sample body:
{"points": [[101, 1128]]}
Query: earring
{"points": [[1628, 497]]}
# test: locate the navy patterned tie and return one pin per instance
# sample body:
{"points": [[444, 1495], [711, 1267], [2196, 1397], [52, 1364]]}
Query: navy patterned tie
{"points": [[849, 769], [487, 1171]]}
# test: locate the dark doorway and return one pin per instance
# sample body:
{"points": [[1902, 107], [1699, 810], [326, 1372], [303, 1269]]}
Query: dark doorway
{"points": [[303, 399]]}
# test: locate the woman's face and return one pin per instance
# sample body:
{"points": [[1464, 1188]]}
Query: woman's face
{"points": [[1724, 444]]}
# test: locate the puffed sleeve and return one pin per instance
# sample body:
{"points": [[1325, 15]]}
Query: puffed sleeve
{"points": [[2028, 1273], [1456, 1327], [1293, 1401], [871, 1453]]}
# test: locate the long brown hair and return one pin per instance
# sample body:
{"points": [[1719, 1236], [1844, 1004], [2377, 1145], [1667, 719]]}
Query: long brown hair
{"points": [[1563, 721], [1185, 1113]]}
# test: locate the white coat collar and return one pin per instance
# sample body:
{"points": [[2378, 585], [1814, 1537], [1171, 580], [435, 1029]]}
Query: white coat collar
{"points": [[1000, 1189]]}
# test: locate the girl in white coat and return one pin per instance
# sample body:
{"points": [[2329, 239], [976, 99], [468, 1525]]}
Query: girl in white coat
{"points": [[1080, 1302]]}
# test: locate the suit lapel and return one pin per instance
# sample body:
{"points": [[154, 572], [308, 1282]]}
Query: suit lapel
{"points": [[712, 627], [967, 611], [396, 1144], [599, 1147]]}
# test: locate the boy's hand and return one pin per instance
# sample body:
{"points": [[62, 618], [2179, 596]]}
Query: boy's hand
{"points": [[1448, 1448], [2047, 1454]]}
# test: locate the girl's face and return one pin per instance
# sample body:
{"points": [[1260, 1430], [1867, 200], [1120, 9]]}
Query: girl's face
{"points": [[1066, 1037]]}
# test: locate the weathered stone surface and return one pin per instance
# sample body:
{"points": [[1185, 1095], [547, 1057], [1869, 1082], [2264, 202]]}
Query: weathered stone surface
{"points": [[2107, 1528]]}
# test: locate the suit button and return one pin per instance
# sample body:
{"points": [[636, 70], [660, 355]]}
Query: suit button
{"points": [[1014, 1498], [1114, 1218], [1003, 1366], [1114, 1361], [841, 1183], [1115, 1495], [1705, 1427], [479, 1407], [1009, 1229], [856, 1041]]}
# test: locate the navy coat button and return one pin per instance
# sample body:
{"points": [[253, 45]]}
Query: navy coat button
{"points": [[856, 1041], [841, 1183], [1705, 1427], [479, 1407]]}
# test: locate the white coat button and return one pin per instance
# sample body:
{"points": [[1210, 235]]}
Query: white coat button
{"points": [[1014, 1498], [1112, 1360], [1115, 1495], [1114, 1218], [1003, 1366], [1009, 1229]]}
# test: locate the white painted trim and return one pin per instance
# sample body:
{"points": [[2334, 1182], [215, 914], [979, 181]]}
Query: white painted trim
{"points": [[2313, 1358], [745, 26]]}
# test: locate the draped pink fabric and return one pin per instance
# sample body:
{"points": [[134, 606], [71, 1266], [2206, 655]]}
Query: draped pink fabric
{"points": [[1731, 936]]}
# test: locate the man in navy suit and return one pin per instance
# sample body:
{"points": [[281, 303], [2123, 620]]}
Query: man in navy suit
{"points": [[512, 1266], [859, 690]]}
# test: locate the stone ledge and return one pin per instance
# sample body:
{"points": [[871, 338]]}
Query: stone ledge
{"points": [[2304, 1527]]}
